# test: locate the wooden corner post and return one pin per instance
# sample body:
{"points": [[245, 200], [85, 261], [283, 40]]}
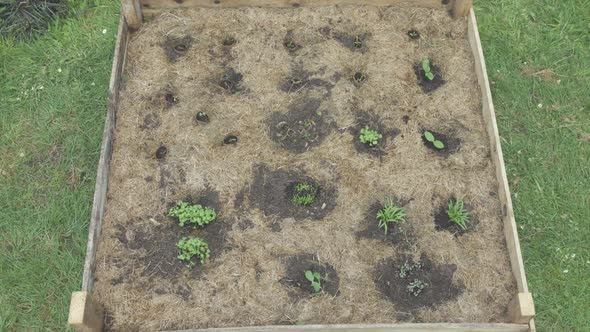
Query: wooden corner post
{"points": [[461, 7], [132, 12], [521, 309], [85, 314]]}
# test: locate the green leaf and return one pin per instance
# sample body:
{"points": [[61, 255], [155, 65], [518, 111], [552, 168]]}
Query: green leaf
{"points": [[428, 135], [429, 75], [309, 275], [316, 286], [438, 144], [426, 65]]}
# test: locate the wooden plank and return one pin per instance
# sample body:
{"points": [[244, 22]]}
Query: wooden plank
{"points": [[489, 116], [132, 12], [461, 8], [85, 315], [521, 308], [102, 174], [155, 5], [404, 327]]}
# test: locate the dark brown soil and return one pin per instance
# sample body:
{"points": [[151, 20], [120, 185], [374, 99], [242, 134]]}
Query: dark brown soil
{"points": [[151, 121], [369, 119], [161, 152], [171, 99], [414, 34], [452, 144], [426, 84], [438, 282], [228, 41], [353, 42], [270, 193], [443, 223], [231, 81], [303, 127], [301, 79], [301, 287], [399, 234], [177, 47]]}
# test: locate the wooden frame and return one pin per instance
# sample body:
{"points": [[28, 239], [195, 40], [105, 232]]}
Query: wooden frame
{"points": [[86, 315]]}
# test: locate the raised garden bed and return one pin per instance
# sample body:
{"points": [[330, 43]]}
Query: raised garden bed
{"points": [[326, 168]]}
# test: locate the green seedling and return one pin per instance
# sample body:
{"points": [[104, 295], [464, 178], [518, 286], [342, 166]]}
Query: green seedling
{"points": [[407, 268], [430, 138], [390, 214], [426, 68], [358, 42], [290, 44], [370, 137], [192, 247], [315, 279], [192, 214], [359, 77], [416, 287], [304, 194], [457, 213]]}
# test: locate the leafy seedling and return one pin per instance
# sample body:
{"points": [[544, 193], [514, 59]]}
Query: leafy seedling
{"points": [[230, 139], [457, 213], [407, 268], [413, 34], [370, 137], [426, 68], [359, 77], [192, 214], [390, 214], [192, 247], [315, 279], [416, 287], [430, 138], [358, 43], [290, 45], [202, 117], [304, 194]]}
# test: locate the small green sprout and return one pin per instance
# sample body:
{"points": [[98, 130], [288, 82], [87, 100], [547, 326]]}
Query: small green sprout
{"points": [[192, 214], [305, 194], [315, 279], [369, 136], [290, 44], [426, 68], [430, 138], [192, 247], [457, 214], [390, 214], [416, 287], [359, 77], [358, 42]]}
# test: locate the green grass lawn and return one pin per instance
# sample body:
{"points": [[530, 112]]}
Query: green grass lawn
{"points": [[53, 100]]}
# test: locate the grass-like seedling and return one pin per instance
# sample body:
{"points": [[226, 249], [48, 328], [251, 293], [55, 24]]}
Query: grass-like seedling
{"points": [[192, 247], [370, 137], [430, 138], [390, 214], [23, 19], [304, 194], [315, 279], [457, 213], [426, 68], [416, 287], [192, 214]]}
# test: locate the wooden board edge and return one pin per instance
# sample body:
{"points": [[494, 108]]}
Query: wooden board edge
{"points": [[85, 315], [509, 223], [402, 327], [102, 174]]}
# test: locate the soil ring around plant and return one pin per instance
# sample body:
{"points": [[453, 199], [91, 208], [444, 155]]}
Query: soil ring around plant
{"points": [[299, 286], [413, 34], [177, 47], [452, 144], [303, 127], [423, 81], [271, 192], [442, 221], [400, 234], [289, 43], [369, 120], [231, 81], [433, 284]]}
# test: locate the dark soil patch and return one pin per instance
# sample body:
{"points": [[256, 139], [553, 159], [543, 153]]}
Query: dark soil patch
{"points": [[171, 99], [399, 234], [177, 47], [452, 144], [443, 223], [359, 78], [300, 286], [433, 284], [353, 42], [202, 117], [413, 34], [160, 251], [245, 224], [151, 121], [303, 127], [231, 81], [290, 44], [423, 81], [406, 119], [367, 119], [270, 192], [230, 139], [300, 79], [161, 152], [229, 41], [275, 227]]}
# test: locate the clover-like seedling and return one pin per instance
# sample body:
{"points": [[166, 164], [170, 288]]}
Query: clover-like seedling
{"points": [[390, 214], [358, 43], [457, 213], [426, 68], [416, 287], [370, 137], [192, 214], [192, 247], [304, 194], [430, 138], [315, 279]]}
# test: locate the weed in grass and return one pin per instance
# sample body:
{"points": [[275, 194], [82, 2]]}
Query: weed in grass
{"points": [[315, 279], [457, 213], [192, 247], [304, 194], [192, 214], [23, 19], [430, 138], [390, 214], [370, 137], [426, 68]]}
